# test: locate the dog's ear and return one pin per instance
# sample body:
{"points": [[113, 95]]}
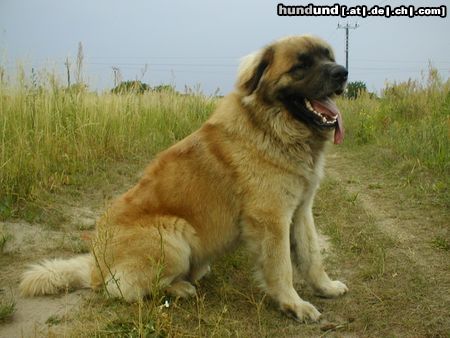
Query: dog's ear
{"points": [[252, 69]]}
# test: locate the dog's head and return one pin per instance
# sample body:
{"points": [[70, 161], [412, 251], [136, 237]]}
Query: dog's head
{"points": [[300, 74]]}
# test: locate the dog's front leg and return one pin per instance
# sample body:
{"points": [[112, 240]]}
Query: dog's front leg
{"points": [[306, 256], [267, 237]]}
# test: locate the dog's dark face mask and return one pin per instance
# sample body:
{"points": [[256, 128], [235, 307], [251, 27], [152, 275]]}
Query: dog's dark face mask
{"points": [[302, 75]]}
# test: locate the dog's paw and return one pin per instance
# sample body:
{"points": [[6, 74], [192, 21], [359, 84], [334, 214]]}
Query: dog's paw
{"points": [[181, 289], [301, 312], [199, 272], [332, 289]]}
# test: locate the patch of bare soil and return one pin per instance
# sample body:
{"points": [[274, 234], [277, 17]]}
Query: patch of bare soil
{"points": [[25, 244], [40, 316]]}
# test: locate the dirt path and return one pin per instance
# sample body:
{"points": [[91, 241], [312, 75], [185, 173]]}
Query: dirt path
{"points": [[411, 222], [39, 316], [417, 228]]}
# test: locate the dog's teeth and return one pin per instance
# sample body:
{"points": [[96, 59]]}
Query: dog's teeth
{"points": [[323, 118]]}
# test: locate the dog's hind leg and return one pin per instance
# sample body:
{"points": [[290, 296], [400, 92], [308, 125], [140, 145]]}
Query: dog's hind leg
{"points": [[133, 281], [127, 283], [144, 260]]}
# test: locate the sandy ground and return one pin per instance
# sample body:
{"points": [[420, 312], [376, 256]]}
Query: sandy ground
{"points": [[33, 315], [39, 316]]}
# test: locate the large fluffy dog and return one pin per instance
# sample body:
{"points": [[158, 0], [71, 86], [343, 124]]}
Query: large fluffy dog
{"points": [[248, 174]]}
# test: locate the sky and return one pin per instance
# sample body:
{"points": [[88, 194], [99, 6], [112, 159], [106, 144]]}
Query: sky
{"points": [[198, 43]]}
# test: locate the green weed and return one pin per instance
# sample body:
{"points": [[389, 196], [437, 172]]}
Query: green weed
{"points": [[7, 307], [441, 243], [4, 238]]}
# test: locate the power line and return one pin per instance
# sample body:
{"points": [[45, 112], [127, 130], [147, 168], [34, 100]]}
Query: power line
{"points": [[46, 62], [402, 61], [162, 64], [398, 70], [167, 57]]}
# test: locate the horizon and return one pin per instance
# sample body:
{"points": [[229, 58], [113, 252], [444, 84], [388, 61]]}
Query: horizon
{"points": [[199, 45]]}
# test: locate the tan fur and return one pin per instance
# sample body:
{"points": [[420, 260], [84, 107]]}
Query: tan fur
{"points": [[249, 173]]}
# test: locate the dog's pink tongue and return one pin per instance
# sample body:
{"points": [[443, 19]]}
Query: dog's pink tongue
{"points": [[329, 108]]}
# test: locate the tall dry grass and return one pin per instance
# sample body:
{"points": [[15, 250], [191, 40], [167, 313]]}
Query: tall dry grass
{"points": [[411, 120], [48, 133]]}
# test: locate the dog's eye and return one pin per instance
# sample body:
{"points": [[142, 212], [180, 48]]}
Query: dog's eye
{"points": [[297, 68], [301, 67], [329, 55], [304, 62]]}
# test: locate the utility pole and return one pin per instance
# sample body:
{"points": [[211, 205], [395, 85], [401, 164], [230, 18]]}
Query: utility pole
{"points": [[79, 69], [347, 27], [117, 76]]}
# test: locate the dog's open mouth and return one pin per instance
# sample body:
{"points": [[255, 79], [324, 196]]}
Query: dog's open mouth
{"points": [[324, 113]]}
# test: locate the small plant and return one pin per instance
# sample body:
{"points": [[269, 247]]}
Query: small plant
{"points": [[53, 320], [4, 238], [441, 243], [7, 307], [352, 198]]}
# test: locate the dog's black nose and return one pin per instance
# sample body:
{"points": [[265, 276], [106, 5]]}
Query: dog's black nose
{"points": [[339, 73]]}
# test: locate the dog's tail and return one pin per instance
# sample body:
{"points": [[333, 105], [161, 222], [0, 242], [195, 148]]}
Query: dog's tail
{"points": [[57, 275]]}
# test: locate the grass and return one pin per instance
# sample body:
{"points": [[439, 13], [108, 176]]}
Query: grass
{"points": [[387, 280], [410, 118], [390, 293], [66, 145], [49, 135], [407, 130]]}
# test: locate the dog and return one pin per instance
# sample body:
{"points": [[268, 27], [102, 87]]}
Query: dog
{"points": [[249, 175]]}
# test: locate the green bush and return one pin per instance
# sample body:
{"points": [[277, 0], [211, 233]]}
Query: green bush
{"points": [[131, 87], [355, 89]]}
